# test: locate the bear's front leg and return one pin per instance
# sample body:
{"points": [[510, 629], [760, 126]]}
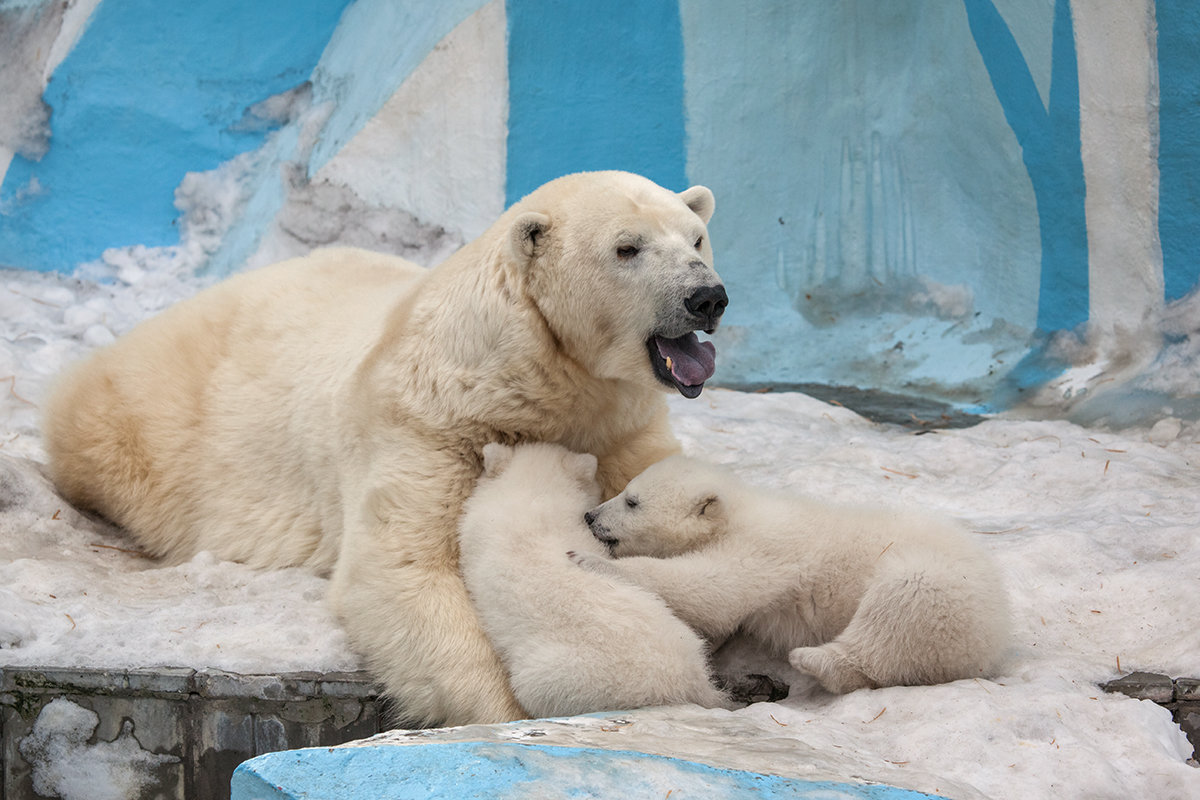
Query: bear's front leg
{"points": [[402, 601], [600, 565], [713, 596]]}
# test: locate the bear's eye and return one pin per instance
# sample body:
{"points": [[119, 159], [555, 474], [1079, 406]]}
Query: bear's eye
{"points": [[631, 502], [627, 251], [699, 242], [704, 504]]}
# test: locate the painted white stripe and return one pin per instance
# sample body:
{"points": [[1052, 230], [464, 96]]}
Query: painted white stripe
{"points": [[1118, 96], [437, 146]]}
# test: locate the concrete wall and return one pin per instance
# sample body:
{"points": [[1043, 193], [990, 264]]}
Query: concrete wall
{"points": [[165, 734], [987, 202]]}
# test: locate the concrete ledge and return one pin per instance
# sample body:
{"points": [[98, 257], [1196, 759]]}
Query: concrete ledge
{"points": [[432, 771], [167, 733]]}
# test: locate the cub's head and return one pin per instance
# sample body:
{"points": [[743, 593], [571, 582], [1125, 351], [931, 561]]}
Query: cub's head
{"points": [[621, 270], [539, 467], [673, 507]]}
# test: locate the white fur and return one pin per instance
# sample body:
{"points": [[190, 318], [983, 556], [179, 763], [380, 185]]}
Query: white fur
{"points": [[330, 411], [573, 642], [860, 597]]}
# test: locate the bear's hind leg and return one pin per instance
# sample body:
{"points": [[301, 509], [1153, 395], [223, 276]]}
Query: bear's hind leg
{"points": [[925, 618], [831, 667]]}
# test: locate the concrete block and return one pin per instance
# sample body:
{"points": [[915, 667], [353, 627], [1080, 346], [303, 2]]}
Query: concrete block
{"points": [[183, 732], [1144, 686]]}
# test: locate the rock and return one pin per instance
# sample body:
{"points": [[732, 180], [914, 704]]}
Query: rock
{"points": [[1144, 686]]}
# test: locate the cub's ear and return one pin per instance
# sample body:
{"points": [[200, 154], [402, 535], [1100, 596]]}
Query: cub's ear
{"points": [[700, 200], [527, 235], [496, 457]]}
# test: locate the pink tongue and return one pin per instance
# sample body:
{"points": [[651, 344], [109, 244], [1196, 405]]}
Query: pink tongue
{"points": [[692, 361]]}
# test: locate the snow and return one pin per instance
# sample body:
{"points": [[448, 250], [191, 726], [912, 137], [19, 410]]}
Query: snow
{"points": [[1095, 530]]}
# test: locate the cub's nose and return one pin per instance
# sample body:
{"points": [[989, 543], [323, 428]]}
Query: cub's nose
{"points": [[708, 303], [589, 518]]}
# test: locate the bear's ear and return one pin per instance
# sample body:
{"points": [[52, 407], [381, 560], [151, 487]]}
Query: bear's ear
{"points": [[495, 458], [700, 200], [527, 235]]}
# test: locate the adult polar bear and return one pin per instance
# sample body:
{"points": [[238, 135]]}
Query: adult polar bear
{"points": [[330, 411]]}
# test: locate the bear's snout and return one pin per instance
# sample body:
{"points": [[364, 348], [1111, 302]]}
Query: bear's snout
{"points": [[707, 304]]}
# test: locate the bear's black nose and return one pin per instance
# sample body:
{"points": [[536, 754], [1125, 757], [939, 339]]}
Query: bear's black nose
{"points": [[708, 303], [589, 518]]}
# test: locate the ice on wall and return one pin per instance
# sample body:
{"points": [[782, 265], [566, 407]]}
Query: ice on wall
{"points": [[1127, 375], [1176, 370], [320, 213], [65, 765], [24, 125], [34, 38], [26, 35]]}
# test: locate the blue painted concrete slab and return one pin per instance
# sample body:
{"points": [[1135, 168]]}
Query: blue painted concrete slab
{"points": [[497, 770]]}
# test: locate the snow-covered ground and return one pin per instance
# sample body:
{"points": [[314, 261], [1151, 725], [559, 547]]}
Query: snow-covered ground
{"points": [[1095, 530]]}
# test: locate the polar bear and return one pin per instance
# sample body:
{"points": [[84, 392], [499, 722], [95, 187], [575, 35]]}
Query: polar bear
{"points": [[330, 410], [857, 597], [573, 642]]}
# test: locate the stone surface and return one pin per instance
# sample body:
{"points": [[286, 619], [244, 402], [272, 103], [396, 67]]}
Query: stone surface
{"points": [[1187, 690], [1144, 686]]}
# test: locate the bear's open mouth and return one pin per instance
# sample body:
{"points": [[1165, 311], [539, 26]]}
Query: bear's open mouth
{"points": [[684, 362]]}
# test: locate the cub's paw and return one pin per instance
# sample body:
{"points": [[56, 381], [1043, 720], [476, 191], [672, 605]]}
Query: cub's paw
{"points": [[832, 670], [594, 563]]}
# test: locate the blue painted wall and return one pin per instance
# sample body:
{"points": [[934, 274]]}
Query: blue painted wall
{"points": [[902, 200], [878, 203], [149, 93], [1179, 144], [594, 86]]}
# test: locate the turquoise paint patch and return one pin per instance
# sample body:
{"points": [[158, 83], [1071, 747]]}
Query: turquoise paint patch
{"points": [[1035, 369], [1051, 148], [511, 770], [1179, 144], [150, 92], [594, 86], [859, 157]]}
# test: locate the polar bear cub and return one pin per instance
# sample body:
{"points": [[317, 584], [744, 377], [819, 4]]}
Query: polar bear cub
{"points": [[573, 641], [857, 597]]}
